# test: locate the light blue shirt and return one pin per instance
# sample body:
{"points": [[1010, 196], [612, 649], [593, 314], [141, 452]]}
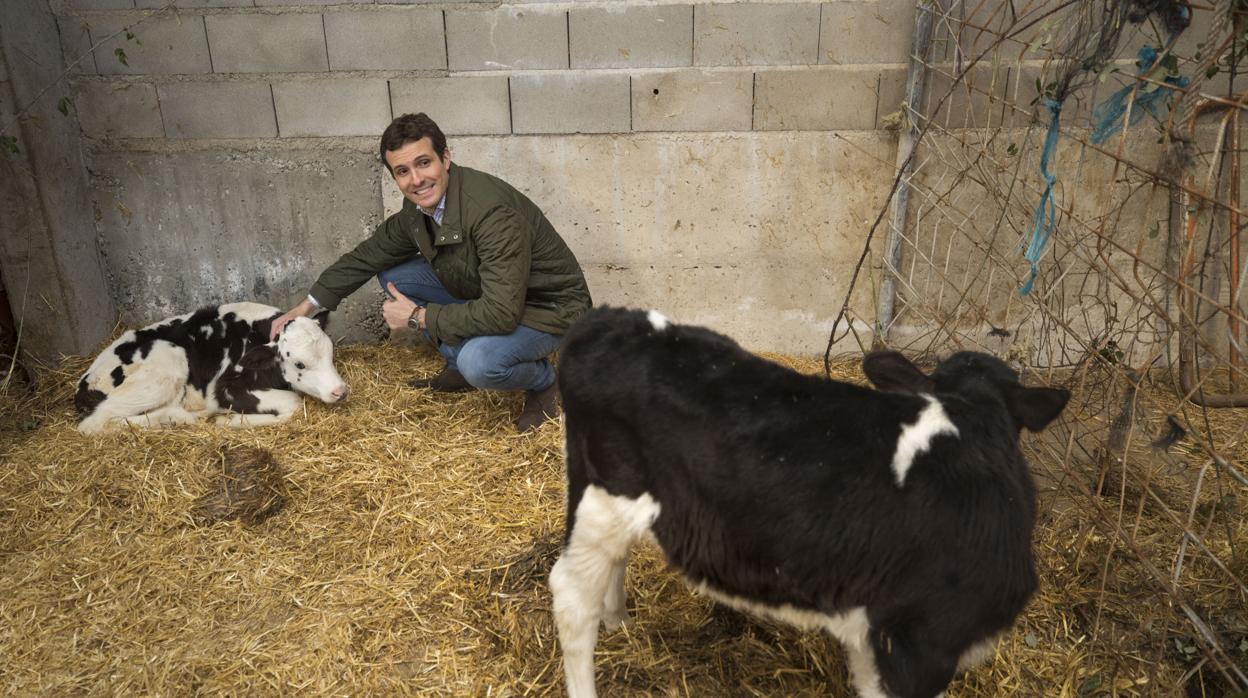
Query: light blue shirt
{"points": [[437, 213]]}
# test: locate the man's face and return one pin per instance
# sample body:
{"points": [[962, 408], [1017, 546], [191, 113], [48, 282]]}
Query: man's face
{"points": [[419, 172]]}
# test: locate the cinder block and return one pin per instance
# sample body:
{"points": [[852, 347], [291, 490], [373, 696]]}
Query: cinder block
{"points": [[866, 32], [693, 100], [976, 101], [195, 4], [979, 25], [506, 37], [217, 110], [160, 46], [570, 103], [756, 34], [332, 107], [631, 36], [407, 39], [461, 106], [76, 45], [256, 43], [118, 110], [816, 99], [271, 3], [1028, 82], [98, 4], [892, 94]]}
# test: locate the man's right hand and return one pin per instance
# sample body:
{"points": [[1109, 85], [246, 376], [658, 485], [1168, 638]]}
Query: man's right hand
{"points": [[304, 309]]}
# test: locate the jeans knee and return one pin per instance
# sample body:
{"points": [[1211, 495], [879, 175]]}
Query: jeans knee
{"points": [[480, 369], [385, 277]]}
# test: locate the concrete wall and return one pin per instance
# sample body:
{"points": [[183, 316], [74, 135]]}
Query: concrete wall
{"points": [[49, 261], [719, 161]]}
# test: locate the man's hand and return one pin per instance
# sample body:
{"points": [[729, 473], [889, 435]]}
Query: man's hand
{"points": [[398, 308], [304, 309]]}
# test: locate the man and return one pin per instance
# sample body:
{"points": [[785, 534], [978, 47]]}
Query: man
{"points": [[472, 263]]}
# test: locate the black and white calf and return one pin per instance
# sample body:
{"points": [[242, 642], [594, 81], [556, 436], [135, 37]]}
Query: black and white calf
{"points": [[212, 361], [899, 520]]}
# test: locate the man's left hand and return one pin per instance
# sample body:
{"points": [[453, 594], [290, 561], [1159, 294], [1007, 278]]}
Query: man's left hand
{"points": [[398, 308]]}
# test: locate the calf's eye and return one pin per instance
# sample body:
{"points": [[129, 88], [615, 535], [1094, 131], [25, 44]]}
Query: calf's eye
{"points": [[299, 365]]}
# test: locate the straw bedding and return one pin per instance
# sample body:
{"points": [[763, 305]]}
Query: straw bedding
{"points": [[410, 556]]}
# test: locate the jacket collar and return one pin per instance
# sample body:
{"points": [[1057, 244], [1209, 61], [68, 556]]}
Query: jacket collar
{"points": [[450, 232]]}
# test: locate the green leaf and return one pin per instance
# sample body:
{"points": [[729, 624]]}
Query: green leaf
{"points": [[121, 56], [1090, 684], [1154, 230], [9, 145], [1031, 640], [1211, 71], [131, 37], [62, 105], [1012, 149]]}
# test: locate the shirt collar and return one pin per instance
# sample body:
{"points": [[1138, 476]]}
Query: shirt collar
{"points": [[437, 213]]}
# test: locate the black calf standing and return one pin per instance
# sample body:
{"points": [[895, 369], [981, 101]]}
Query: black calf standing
{"points": [[898, 519]]}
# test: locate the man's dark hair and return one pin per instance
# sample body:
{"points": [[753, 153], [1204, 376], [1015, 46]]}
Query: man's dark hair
{"points": [[410, 128]]}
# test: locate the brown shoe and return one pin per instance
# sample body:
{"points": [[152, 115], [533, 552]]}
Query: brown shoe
{"points": [[448, 381], [539, 406]]}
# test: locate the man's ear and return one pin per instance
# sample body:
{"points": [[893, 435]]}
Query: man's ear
{"points": [[259, 358], [889, 370]]}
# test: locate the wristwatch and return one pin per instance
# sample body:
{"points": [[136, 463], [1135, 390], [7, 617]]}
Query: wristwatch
{"points": [[413, 320]]}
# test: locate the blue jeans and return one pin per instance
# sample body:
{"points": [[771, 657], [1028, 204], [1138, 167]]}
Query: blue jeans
{"points": [[515, 361]]}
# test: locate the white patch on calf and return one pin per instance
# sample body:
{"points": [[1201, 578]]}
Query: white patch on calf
{"points": [[303, 343], [587, 579], [153, 383], [978, 653], [281, 403], [657, 320], [850, 627], [917, 438], [248, 312]]}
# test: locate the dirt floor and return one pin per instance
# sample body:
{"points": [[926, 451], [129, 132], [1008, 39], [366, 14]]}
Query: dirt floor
{"points": [[404, 550]]}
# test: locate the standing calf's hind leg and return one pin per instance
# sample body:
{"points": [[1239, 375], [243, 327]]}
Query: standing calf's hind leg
{"points": [[587, 580], [614, 613], [579, 582]]}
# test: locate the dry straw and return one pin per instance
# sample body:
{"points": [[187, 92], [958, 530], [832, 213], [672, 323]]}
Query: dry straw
{"points": [[411, 557]]}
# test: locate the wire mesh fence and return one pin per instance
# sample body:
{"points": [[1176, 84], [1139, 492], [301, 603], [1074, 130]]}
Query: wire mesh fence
{"points": [[1069, 196]]}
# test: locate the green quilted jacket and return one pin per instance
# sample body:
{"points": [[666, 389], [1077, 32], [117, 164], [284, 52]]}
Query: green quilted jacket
{"points": [[494, 249]]}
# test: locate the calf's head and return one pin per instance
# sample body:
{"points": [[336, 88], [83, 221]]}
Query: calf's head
{"points": [[973, 375], [306, 354]]}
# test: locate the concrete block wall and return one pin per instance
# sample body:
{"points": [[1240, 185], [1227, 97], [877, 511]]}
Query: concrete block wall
{"points": [[268, 84], [614, 67]]}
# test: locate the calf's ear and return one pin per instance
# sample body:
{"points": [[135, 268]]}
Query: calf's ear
{"points": [[259, 358], [322, 318], [1035, 408], [889, 370]]}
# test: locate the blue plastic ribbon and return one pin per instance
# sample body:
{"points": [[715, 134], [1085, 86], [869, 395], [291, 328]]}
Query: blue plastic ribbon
{"points": [[1107, 117], [1045, 217]]}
